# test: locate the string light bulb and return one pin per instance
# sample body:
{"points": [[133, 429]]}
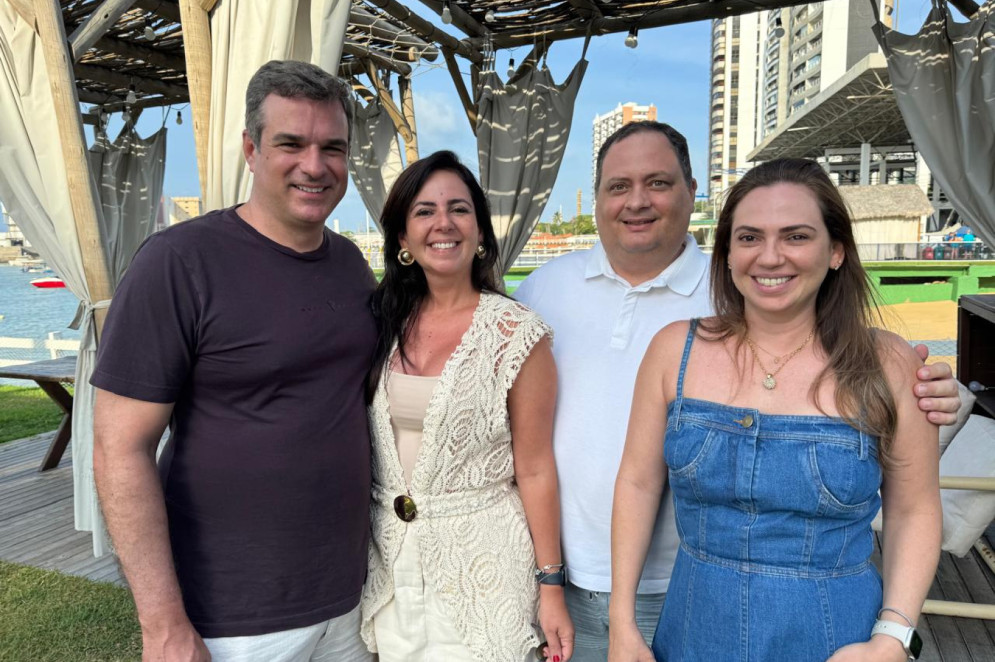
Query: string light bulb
{"points": [[632, 39], [149, 32], [778, 28], [126, 116], [447, 16], [131, 97], [489, 16], [179, 118], [511, 67]]}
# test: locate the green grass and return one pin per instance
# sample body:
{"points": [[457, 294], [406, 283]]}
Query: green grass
{"points": [[26, 411], [48, 616]]}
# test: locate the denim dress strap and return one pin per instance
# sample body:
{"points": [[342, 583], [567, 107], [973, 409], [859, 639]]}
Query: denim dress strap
{"points": [[679, 401]]}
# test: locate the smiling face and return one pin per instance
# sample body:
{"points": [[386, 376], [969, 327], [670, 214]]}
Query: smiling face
{"points": [[441, 227], [780, 249], [643, 204], [300, 164]]}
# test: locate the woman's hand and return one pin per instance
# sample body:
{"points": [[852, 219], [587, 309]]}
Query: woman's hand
{"points": [[626, 644], [556, 623], [880, 648]]}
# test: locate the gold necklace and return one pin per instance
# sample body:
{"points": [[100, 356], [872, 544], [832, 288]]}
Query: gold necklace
{"points": [[769, 382]]}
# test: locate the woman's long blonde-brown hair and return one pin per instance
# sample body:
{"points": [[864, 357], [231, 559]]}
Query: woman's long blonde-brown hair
{"points": [[845, 305]]}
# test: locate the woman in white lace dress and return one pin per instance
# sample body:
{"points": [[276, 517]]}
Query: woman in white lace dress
{"points": [[465, 550]]}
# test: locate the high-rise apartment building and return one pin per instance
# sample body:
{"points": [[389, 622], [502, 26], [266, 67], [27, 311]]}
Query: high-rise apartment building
{"points": [[768, 65], [612, 121]]}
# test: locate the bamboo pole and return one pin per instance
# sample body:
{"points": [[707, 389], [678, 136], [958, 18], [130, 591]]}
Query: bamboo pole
{"points": [[395, 114], [82, 192], [197, 50], [468, 107], [962, 609], [408, 108], [967, 483]]}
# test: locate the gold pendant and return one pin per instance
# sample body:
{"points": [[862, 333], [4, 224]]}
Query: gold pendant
{"points": [[769, 382]]}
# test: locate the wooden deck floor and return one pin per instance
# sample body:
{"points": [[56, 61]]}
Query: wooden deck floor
{"points": [[36, 528], [36, 514]]}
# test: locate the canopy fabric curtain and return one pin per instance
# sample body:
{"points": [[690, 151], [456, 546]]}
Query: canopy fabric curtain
{"points": [[246, 34], [944, 82], [522, 131], [33, 185], [375, 157]]}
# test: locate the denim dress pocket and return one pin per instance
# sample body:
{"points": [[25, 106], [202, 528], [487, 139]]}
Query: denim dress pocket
{"points": [[684, 452], [846, 483]]}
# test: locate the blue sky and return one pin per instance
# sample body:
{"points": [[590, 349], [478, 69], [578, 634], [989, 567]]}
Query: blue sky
{"points": [[669, 69]]}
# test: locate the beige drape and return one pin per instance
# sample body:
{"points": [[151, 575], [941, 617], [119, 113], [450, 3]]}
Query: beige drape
{"points": [[246, 34], [127, 176]]}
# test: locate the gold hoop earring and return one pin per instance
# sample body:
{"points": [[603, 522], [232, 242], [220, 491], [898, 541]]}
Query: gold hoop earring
{"points": [[405, 257], [481, 251]]}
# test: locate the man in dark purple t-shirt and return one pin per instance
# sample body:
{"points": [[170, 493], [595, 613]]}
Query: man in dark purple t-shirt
{"points": [[248, 331]]}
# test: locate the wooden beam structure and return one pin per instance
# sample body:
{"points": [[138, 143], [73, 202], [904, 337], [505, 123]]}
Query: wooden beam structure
{"points": [[652, 18], [461, 20], [97, 25], [427, 31], [123, 80], [143, 53], [197, 51], [395, 114], [381, 61], [168, 10], [82, 192], [468, 106], [408, 110], [379, 28]]}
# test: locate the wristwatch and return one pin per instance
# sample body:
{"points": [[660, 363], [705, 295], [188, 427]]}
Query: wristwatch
{"points": [[908, 636]]}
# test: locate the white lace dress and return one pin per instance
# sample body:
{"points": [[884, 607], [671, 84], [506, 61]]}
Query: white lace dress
{"points": [[474, 542]]}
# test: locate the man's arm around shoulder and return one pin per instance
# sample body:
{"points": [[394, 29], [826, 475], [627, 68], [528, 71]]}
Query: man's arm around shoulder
{"points": [[126, 433]]}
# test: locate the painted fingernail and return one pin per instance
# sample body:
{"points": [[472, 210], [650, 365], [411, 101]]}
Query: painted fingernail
{"points": [[556, 658]]}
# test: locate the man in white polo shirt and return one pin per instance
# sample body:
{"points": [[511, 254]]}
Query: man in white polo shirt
{"points": [[605, 305]]}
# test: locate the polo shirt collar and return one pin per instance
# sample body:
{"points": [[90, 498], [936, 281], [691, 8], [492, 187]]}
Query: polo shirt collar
{"points": [[682, 276]]}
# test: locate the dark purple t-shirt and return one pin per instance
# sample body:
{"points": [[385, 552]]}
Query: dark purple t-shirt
{"points": [[263, 350]]}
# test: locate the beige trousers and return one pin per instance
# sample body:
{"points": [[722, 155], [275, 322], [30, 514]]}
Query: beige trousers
{"points": [[413, 626]]}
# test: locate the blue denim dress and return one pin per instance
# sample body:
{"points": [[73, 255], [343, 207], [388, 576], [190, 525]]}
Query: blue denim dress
{"points": [[774, 514]]}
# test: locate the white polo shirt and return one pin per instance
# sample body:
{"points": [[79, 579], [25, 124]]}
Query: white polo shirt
{"points": [[602, 327]]}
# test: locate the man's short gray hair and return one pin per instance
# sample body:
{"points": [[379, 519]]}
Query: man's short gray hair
{"points": [[292, 80], [673, 136]]}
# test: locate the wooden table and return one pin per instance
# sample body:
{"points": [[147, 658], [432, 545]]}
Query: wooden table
{"points": [[50, 375]]}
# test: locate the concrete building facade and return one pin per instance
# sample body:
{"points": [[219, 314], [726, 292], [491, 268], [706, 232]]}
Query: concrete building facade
{"points": [[609, 123], [768, 65]]}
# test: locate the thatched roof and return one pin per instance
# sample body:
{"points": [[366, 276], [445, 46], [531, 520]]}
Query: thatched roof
{"points": [[897, 201]]}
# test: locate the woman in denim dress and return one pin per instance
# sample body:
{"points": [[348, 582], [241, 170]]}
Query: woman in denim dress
{"points": [[779, 419]]}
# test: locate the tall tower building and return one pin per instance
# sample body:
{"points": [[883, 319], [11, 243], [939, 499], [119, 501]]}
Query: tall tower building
{"points": [[612, 121], [768, 65]]}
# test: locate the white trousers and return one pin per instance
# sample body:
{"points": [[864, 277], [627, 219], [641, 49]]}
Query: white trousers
{"points": [[413, 626], [335, 640]]}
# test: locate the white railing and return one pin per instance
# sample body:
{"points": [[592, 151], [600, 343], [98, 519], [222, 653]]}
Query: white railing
{"points": [[16, 351]]}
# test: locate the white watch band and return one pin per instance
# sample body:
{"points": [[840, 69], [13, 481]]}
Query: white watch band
{"points": [[896, 630]]}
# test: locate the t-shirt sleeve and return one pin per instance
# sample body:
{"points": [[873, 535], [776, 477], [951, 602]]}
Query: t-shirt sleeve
{"points": [[147, 346]]}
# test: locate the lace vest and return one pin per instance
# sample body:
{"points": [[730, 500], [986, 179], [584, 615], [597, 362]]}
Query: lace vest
{"points": [[475, 546]]}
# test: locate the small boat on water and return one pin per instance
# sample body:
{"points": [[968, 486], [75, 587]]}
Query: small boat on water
{"points": [[50, 281]]}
